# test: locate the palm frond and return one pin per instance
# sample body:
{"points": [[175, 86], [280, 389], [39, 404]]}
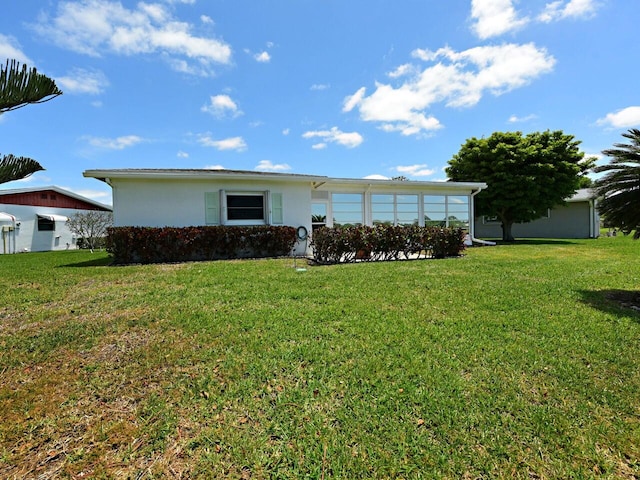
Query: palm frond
{"points": [[23, 86], [16, 168], [619, 189]]}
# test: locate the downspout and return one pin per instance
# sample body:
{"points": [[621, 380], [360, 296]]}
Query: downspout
{"points": [[594, 222], [472, 216], [472, 222]]}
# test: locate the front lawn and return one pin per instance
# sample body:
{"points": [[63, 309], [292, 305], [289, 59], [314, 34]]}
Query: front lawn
{"points": [[516, 361]]}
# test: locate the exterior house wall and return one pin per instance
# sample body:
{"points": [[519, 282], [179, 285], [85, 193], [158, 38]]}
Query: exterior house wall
{"points": [[574, 220], [19, 211], [27, 238], [174, 203], [181, 198]]}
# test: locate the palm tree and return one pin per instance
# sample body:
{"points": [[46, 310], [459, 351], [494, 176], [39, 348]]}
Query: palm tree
{"points": [[619, 189], [20, 87]]}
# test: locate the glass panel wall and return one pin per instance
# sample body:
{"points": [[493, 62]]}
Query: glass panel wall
{"points": [[382, 212], [347, 209], [435, 211], [458, 211], [407, 209]]}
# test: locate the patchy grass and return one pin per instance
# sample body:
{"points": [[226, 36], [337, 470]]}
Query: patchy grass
{"points": [[516, 361]]}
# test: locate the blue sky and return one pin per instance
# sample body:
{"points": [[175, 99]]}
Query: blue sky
{"points": [[344, 88]]}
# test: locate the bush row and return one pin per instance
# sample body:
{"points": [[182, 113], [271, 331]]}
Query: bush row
{"points": [[172, 244], [383, 242]]}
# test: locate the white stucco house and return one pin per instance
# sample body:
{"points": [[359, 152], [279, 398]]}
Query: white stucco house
{"points": [[578, 218], [180, 198], [34, 219]]}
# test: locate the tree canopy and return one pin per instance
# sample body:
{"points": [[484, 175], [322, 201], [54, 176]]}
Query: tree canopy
{"points": [[525, 174], [21, 86], [91, 226], [619, 188]]}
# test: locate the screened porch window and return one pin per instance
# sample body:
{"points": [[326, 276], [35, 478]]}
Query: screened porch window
{"points": [[435, 210], [347, 209], [458, 211], [392, 209]]}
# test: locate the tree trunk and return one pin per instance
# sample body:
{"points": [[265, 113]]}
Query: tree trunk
{"points": [[507, 236]]}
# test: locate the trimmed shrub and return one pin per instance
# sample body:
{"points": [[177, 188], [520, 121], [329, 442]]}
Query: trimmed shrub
{"points": [[173, 244], [385, 242]]}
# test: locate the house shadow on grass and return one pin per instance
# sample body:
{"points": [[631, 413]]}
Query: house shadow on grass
{"points": [[532, 241], [614, 301], [98, 262]]}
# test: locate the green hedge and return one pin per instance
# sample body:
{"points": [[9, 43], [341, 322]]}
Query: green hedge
{"points": [[172, 244], [383, 242]]}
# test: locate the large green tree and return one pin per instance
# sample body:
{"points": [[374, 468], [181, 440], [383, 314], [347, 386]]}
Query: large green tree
{"points": [[619, 188], [525, 174], [21, 86]]}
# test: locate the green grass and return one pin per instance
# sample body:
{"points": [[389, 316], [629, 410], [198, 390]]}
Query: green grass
{"points": [[515, 361]]}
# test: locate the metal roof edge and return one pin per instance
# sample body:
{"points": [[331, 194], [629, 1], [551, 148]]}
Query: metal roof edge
{"points": [[106, 174], [60, 190]]}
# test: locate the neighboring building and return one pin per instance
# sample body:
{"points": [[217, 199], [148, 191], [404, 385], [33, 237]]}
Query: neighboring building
{"points": [[577, 219], [178, 198], [34, 219]]}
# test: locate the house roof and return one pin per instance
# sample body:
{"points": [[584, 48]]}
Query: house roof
{"points": [[315, 180], [583, 195], [61, 191]]}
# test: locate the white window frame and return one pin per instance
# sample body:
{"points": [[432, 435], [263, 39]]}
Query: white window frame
{"points": [[225, 220]]}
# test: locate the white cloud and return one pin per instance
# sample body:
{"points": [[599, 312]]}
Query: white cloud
{"points": [[349, 140], [320, 86], [517, 119], [214, 167], [83, 82], [495, 17], [319, 146], [206, 19], [419, 170], [562, 9], [182, 154], [627, 117], [376, 177], [96, 27], [233, 143], [268, 166], [10, 48], [458, 79], [97, 195], [222, 106], [262, 57], [402, 70], [354, 100], [286, 131], [119, 143]]}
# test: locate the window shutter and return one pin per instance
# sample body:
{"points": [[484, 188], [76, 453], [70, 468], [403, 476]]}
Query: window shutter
{"points": [[277, 210], [212, 208]]}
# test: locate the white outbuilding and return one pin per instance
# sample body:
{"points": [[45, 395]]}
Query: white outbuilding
{"points": [[34, 219]]}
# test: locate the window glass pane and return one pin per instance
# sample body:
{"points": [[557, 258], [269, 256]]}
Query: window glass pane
{"points": [[458, 211], [434, 199], [383, 218], [407, 218], [241, 201], [380, 198], [413, 199], [245, 207], [347, 209], [434, 216], [318, 213], [347, 197], [46, 225]]}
